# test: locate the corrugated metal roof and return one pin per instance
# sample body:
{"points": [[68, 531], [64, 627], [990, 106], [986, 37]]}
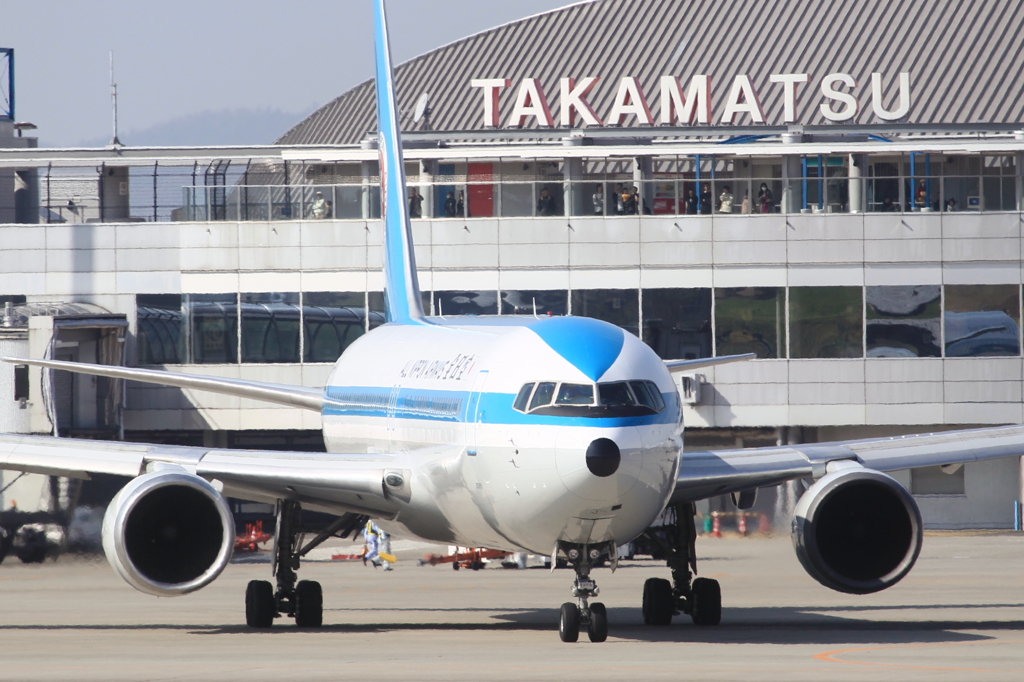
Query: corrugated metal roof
{"points": [[964, 56]]}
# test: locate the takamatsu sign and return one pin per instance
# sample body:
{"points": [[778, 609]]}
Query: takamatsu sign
{"points": [[679, 108]]}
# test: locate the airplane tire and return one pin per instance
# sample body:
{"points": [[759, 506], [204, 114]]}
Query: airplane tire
{"points": [[597, 630], [657, 604], [569, 622], [707, 602], [309, 604], [260, 605]]}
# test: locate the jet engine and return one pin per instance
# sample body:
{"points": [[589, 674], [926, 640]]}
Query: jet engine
{"points": [[168, 533], [857, 530]]}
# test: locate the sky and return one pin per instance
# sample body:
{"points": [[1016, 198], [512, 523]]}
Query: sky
{"points": [[185, 62]]}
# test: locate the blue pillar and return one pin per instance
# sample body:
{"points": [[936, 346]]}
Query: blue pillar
{"points": [[821, 182], [913, 185], [803, 181]]}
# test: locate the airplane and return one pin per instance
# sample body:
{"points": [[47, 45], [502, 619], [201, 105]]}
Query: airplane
{"points": [[556, 435]]}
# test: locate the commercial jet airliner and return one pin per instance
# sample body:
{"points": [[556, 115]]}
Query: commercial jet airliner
{"points": [[559, 436]]}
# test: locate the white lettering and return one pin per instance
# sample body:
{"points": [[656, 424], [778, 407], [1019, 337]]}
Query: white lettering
{"points": [[827, 89], [876, 98], [630, 101], [490, 86], [742, 100], [530, 101], [789, 82], [697, 103], [573, 99]]}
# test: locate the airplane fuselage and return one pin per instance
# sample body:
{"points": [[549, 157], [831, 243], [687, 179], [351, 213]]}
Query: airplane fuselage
{"points": [[440, 401]]}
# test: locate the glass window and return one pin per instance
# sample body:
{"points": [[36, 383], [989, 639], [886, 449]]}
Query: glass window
{"points": [[677, 323], [553, 302], [618, 306], [935, 481], [160, 338], [575, 394], [213, 328], [331, 322], [465, 303], [655, 392], [270, 327], [615, 394], [523, 398], [643, 394], [903, 322], [825, 322], [543, 395], [982, 319], [750, 320]]}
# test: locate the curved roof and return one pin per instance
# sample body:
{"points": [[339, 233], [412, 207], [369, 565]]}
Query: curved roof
{"points": [[965, 57]]}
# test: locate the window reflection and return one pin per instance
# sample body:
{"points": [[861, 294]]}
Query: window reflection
{"points": [[270, 327], [903, 322], [619, 306], [549, 302], [160, 337], [677, 323], [982, 320], [750, 320], [465, 303], [825, 322], [213, 328]]}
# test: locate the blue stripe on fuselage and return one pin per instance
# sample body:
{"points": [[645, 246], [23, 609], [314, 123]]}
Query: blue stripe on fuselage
{"points": [[451, 406]]}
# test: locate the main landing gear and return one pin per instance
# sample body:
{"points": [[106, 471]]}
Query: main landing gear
{"points": [[573, 616], [301, 599], [701, 598]]}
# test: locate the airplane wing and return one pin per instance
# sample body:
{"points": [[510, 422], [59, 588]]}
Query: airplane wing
{"points": [[718, 472], [281, 394], [334, 483], [687, 365]]}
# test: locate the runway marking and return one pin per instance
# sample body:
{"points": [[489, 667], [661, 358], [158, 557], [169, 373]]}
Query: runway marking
{"points": [[828, 656]]}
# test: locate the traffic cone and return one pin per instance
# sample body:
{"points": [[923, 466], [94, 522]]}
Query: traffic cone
{"points": [[741, 525], [716, 525], [764, 525]]}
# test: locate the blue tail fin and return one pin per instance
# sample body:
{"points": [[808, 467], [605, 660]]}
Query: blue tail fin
{"points": [[401, 284]]}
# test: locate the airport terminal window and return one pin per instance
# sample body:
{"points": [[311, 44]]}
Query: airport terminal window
{"points": [[618, 306], [213, 328], [159, 333], [982, 320], [903, 322], [465, 303], [935, 481], [750, 320], [547, 302], [677, 323], [331, 321], [826, 322], [270, 327], [999, 183]]}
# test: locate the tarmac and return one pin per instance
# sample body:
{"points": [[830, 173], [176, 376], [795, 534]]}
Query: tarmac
{"points": [[959, 615]]}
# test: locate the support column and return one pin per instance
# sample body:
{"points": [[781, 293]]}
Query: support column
{"points": [[427, 170], [858, 190], [791, 177], [1019, 167], [643, 170]]}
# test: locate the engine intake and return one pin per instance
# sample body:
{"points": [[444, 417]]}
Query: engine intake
{"points": [[857, 530], [168, 533]]}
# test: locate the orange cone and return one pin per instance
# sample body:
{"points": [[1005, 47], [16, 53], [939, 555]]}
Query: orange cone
{"points": [[716, 525], [741, 525]]}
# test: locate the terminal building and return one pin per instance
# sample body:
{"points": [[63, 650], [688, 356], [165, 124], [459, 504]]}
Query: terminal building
{"points": [[835, 187]]}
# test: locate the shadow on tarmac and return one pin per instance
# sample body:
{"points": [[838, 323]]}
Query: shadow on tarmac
{"points": [[769, 625]]}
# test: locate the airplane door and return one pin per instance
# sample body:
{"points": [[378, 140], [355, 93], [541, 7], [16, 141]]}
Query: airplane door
{"points": [[473, 413]]}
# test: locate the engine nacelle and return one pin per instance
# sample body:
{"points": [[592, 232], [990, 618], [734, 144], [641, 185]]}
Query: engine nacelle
{"points": [[168, 533], [857, 530]]}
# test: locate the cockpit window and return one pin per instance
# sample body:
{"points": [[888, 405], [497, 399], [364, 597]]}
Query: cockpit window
{"points": [[523, 398], [543, 395], [613, 399], [575, 394], [613, 395]]}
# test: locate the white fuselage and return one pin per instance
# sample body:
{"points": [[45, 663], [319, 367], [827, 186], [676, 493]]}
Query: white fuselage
{"points": [[436, 400]]}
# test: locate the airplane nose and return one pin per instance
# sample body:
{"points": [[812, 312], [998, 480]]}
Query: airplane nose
{"points": [[603, 457]]}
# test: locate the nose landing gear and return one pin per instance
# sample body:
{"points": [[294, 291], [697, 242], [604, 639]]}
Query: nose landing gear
{"points": [[593, 616]]}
